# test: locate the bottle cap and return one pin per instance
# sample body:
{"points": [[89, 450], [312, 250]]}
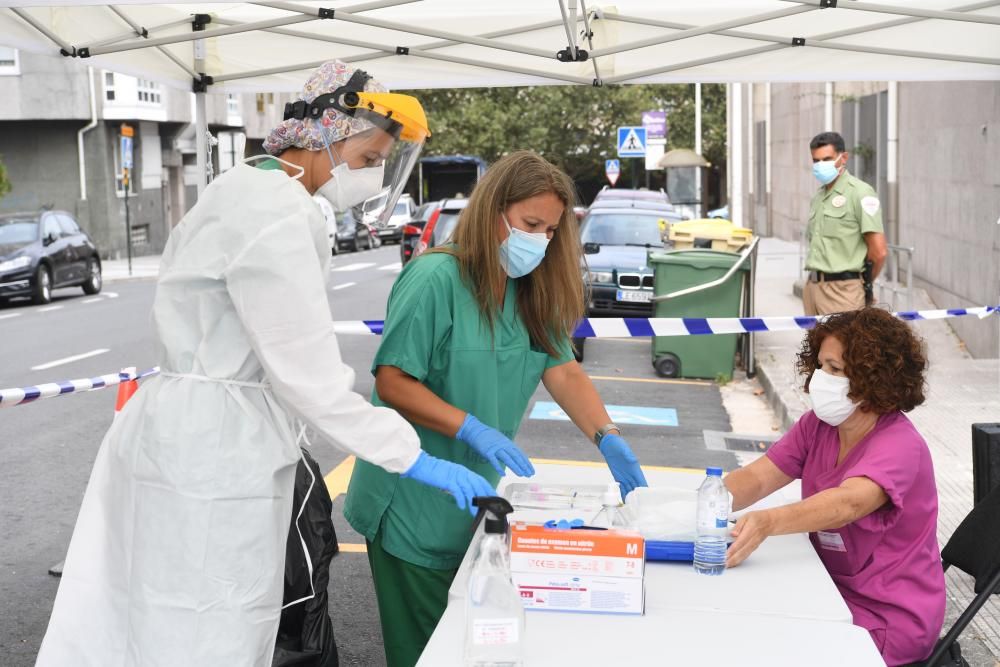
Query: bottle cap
{"points": [[715, 472], [495, 510]]}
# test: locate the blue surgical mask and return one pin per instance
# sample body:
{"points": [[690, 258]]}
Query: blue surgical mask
{"points": [[521, 252], [826, 171]]}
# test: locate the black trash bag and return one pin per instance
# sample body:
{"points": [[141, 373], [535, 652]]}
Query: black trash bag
{"points": [[305, 632]]}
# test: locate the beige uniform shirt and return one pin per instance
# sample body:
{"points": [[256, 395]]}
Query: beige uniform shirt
{"points": [[838, 219]]}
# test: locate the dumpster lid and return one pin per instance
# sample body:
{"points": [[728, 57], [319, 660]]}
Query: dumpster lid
{"points": [[696, 258]]}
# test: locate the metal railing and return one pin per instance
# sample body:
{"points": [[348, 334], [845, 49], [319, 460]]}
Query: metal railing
{"points": [[891, 271]]}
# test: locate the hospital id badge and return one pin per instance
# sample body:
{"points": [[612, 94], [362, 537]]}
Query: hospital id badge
{"points": [[831, 541]]}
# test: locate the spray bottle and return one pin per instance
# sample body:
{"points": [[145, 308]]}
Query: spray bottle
{"points": [[494, 634]]}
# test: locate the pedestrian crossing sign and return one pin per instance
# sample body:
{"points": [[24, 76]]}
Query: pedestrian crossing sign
{"points": [[631, 142]]}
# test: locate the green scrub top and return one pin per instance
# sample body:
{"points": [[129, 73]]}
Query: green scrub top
{"points": [[434, 332], [838, 220]]}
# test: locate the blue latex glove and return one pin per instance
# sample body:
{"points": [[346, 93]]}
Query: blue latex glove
{"points": [[495, 447], [457, 480], [623, 463]]}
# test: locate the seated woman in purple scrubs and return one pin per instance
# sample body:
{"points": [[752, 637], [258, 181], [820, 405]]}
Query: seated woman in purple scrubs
{"points": [[869, 503]]}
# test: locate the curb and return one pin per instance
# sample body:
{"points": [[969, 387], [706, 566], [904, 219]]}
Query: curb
{"points": [[780, 400], [127, 279]]}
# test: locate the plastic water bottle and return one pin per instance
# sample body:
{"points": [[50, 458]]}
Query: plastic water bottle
{"points": [[494, 634], [713, 524], [610, 515]]}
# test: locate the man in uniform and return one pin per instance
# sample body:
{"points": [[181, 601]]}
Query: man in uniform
{"points": [[845, 231]]}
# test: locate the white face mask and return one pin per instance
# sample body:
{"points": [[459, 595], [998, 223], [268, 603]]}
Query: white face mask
{"points": [[828, 394], [349, 187]]}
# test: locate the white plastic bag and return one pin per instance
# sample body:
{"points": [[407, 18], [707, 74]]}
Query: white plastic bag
{"points": [[665, 514]]}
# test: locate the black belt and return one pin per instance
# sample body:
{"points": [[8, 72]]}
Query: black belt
{"points": [[820, 277]]}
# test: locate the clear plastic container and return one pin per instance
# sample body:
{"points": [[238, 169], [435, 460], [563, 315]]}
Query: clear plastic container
{"points": [[610, 515]]}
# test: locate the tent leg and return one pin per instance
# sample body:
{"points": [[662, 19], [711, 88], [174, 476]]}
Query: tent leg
{"points": [[201, 140]]}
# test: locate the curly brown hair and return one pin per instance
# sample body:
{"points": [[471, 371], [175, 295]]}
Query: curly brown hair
{"points": [[884, 360]]}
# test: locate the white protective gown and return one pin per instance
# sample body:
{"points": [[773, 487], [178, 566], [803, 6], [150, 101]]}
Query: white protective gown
{"points": [[177, 558]]}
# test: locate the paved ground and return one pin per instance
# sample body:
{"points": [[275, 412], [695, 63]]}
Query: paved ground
{"points": [[961, 391], [48, 447]]}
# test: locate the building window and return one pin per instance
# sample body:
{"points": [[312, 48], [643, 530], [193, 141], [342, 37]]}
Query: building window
{"points": [[9, 64], [233, 105], [149, 92], [260, 102], [109, 86]]}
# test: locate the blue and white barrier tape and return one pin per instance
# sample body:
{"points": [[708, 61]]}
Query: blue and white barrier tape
{"points": [[9, 397], [628, 327]]}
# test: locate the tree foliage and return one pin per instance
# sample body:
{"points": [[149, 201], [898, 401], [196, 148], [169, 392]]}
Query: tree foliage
{"points": [[5, 185], [571, 126]]}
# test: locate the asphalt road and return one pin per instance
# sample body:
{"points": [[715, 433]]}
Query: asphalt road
{"points": [[47, 448]]}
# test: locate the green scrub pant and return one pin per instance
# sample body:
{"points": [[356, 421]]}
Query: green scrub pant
{"points": [[411, 601]]}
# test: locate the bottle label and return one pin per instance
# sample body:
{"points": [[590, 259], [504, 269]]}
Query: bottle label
{"points": [[495, 631]]}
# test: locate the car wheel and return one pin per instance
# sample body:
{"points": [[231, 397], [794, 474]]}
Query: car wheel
{"points": [[335, 249], [667, 366], [578, 348], [94, 280], [41, 292]]}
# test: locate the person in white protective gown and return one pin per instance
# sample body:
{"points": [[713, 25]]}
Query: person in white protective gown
{"points": [[177, 558]]}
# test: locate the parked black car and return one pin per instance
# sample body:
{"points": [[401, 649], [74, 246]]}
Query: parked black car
{"points": [[414, 228], [353, 233], [617, 275], [43, 250]]}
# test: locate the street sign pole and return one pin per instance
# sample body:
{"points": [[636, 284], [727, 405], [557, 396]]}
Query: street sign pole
{"points": [[127, 134]]}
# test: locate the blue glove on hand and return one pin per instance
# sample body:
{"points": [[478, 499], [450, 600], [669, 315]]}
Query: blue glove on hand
{"points": [[457, 480], [623, 463], [495, 447]]}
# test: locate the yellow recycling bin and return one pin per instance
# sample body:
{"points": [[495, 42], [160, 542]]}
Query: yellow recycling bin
{"points": [[711, 234]]}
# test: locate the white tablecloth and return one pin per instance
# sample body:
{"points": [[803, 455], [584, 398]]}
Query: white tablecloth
{"points": [[779, 607]]}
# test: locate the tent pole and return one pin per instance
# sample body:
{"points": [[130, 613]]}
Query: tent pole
{"points": [[30, 20], [132, 33], [139, 31], [590, 38], [201, 140], [703, 30], [417, 54], [736, 150], [221, 32], [697, 142], [902, 10]]}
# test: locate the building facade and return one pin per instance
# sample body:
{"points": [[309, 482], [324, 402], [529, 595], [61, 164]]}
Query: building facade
{"points": [[60, 134], [929, 149]]}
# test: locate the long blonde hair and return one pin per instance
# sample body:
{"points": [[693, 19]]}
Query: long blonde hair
{"points": [[550, 299]]}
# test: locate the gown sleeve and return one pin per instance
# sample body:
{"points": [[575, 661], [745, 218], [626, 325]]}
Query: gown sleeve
{"points": [[278, 289]]}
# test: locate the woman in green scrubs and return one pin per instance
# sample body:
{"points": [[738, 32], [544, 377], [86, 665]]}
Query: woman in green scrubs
{"points": [[471, 329]]}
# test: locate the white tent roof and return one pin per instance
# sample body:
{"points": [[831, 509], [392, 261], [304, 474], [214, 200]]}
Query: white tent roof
{"points": [[269, 46]]}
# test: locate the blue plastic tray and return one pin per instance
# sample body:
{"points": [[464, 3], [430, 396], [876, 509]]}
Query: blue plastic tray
{"points": [[679, 551]]}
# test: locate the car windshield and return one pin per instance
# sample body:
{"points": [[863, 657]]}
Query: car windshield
{"points": [[375, 203], [622, 229], [18, 230], [401, 208], [444, 227]]}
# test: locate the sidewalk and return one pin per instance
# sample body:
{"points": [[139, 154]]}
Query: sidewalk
{"points": [[143, 268], [961, 391]]}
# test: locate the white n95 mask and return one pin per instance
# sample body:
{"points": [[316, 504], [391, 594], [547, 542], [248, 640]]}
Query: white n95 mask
{"points": [[828, 394], [349, 187]]}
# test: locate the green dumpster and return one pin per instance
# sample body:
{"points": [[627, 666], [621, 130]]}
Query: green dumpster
{"points": [[705, 356]]}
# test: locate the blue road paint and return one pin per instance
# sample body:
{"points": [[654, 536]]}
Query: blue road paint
{"points": [[620, 414]]}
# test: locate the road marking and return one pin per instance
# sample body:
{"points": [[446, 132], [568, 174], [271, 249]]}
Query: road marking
{"points": [[599, 464], [338, 478], [48, 308], [620, 414], [111, 295], [398, 266], [342, 286], [94, 300], [354, 267], [613, 378], [10, 315], [354, 548], [68, 360]]}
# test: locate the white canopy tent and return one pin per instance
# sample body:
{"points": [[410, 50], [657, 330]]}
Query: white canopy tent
{"points": [[269, 46]]}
